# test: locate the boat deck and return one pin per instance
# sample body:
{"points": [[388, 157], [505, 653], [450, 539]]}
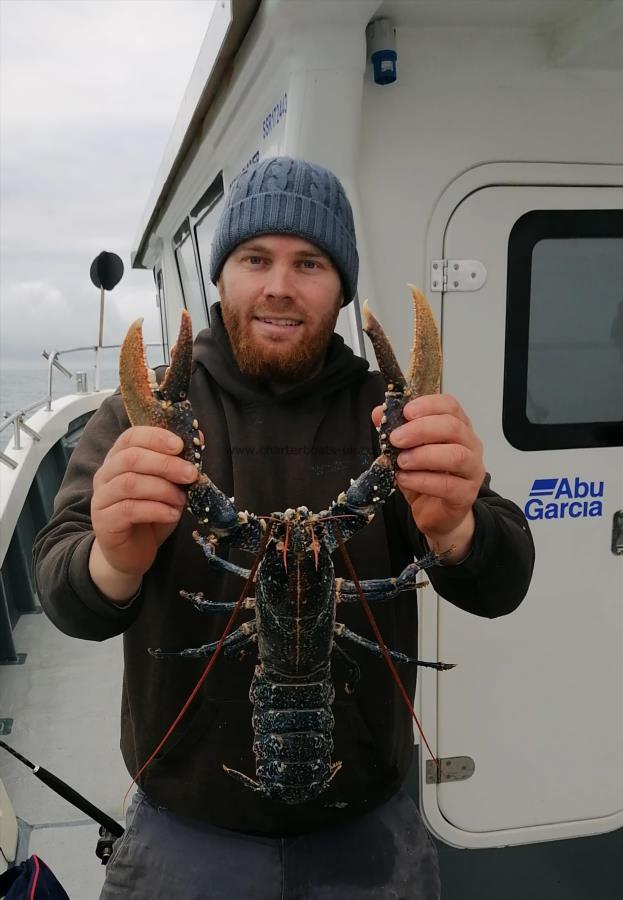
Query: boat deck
{"points": [[64, 701]]}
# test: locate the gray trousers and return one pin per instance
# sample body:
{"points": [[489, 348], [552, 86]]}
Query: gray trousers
{"points": [[384, 854]]}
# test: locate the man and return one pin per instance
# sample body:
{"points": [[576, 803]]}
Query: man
{"points": [[285, 408]]}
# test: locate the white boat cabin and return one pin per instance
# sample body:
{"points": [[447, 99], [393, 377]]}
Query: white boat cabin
{"points": [[489, 172]]}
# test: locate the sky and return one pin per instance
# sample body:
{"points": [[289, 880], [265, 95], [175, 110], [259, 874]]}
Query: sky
{"points": [[89, 91]]}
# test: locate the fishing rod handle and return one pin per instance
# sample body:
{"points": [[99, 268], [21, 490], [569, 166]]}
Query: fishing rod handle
{"points": [[78, 800]]}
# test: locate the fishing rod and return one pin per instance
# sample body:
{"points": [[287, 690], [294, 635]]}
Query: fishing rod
{"points": [[109, 830]]}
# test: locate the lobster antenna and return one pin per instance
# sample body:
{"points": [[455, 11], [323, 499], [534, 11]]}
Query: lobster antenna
{"points": [[210, 663], [375, 628]]}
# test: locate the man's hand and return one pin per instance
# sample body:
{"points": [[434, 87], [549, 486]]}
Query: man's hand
{"points": [[137, 502], [440, 470]]}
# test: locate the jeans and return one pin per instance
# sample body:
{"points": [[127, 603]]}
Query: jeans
{"points": [[386, 853]]}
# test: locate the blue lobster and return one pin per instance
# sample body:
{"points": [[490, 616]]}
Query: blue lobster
{"points": [[296, 591]]}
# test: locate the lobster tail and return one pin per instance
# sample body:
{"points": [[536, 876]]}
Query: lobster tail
{"points": [[293, 724]]}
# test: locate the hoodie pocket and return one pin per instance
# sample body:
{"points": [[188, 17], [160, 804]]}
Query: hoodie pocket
{"points": [[218, 733]]}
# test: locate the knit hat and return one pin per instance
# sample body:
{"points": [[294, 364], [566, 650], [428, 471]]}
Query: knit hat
{"points": [[281, 195]]}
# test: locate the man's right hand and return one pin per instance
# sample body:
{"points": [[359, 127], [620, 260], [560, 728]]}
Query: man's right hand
{"points": [[137, 502]]}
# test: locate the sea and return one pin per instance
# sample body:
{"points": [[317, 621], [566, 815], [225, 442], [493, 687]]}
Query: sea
{"points": [[20, 387]]}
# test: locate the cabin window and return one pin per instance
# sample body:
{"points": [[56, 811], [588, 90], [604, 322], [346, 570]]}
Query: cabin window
{"points": [[204, 216], [189, 275], [564, 330]]}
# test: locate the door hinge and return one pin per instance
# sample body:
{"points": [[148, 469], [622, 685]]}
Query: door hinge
{"points": [[451, 768], [19, 660], [457, 275]]}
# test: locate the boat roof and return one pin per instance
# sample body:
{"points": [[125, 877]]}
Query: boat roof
{"points": [[578, 33]]}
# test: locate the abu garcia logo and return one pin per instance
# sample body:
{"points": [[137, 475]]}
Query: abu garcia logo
{"points": [[564, 498]]}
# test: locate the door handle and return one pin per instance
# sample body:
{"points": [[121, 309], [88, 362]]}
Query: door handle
{"points": [[617, 533]]}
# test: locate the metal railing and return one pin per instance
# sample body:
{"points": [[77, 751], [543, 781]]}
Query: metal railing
{"points": [[16, 419]]}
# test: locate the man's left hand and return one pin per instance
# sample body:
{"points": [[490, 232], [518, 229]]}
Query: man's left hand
{"points": [[440, 471]]}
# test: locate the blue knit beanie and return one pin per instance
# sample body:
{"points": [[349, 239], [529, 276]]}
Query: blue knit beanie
{"points": [[281, 195]]}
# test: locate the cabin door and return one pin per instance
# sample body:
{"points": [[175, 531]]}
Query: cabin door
{"points": [[535, 355]]}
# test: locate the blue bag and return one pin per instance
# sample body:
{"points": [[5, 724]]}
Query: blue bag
{"points": [[32, 880]]}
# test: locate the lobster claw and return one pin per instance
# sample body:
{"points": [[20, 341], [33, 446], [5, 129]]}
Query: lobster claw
{"points": [[424, 374], [142, 406], [366, 494], [167, 406], [176, 382]]}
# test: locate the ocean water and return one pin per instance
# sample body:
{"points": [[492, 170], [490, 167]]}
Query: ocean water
{"points": [[20, 387]]}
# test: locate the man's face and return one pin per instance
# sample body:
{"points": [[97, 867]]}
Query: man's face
{"points": [[280, 298]]}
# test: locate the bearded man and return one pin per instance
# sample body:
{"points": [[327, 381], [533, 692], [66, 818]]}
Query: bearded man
{"points": [[285, 408]]}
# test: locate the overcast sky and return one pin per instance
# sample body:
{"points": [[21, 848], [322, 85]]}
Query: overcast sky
{"points": [[89, 90]]}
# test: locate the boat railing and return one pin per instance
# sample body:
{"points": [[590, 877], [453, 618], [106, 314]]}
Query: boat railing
{"points": [[16, 420]]}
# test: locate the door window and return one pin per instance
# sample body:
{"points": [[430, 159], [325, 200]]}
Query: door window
{"points": [[564, 332]]}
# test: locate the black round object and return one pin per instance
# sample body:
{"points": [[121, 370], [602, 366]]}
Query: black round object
{"points": [[106, 270]]}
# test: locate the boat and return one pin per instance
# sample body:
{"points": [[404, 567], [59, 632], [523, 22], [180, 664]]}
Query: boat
{"points": [[480, 144]]}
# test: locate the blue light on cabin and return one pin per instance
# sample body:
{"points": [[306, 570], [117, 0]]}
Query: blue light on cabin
{"points": [[381, 46], [384, 64]]}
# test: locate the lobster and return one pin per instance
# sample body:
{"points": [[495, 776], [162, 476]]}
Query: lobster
{"points": [[296, 591]]}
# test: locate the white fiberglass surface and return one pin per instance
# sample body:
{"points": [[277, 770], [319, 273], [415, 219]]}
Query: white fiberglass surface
{"points": [[64, 702], [535, 699]]}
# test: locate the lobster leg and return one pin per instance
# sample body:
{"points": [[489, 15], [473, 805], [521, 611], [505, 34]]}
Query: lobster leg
{"points": [[199, 601], [376, 590], [342, 631], [232, 643], [218, 562], [354, 672]]}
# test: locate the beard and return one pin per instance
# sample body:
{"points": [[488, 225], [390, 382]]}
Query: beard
{"points": [[276, 361]]}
